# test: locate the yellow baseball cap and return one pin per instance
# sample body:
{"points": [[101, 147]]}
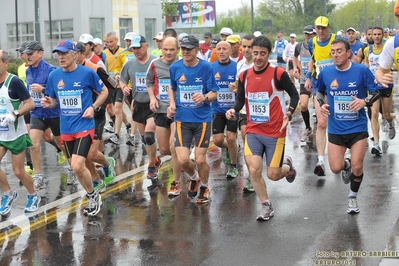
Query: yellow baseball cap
{"points": [[233, 39], [321, 21]]}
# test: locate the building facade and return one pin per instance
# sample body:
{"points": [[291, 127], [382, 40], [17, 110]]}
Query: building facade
{"points": [[29, 20]]}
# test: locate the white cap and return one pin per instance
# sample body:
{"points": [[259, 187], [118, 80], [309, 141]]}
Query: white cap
{"points": [[339, 32], [97, 41], [226, 31], [257, 33], [181, 35], [351, 28], [86, 38], [159, 36], [292, 35], [130, 36]]}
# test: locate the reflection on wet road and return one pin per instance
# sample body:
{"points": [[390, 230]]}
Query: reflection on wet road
{"points": [[139, 225]]}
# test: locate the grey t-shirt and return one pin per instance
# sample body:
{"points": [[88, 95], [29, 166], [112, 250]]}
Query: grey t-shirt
{"points": [[158, 77], [136, 73]]}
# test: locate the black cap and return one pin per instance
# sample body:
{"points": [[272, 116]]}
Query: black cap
{"points": [[189, 42], [22, 48], [215, 41], [80, 47], [33, 46], [207, 34]]}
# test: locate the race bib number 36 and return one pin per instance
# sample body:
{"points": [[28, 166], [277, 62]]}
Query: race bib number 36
{"points": [[341, 108], [163, 89], [259, 107], [70, 102]]}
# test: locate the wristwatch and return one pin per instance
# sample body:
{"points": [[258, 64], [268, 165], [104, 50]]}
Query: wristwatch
{"points": [[16, 113]]}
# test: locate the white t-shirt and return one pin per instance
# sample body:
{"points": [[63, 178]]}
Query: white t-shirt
{"points": [[387, 55]]}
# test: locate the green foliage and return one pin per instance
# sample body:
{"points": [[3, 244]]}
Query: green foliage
{"points": [[169, 7], [363, 13], [289, 16], [13, 66]]}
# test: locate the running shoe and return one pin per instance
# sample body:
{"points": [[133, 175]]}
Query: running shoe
{"points": [[248, 188], [306, 134], [152, 172], [99, 185], [130, 141], [353, 208], [71, 180], [93, 205], [384, 125], [109, 128], [204, 195], [226, 157], [319, 170], [6, 202], [29, 170], [33, 202], [114, 139], [109, 179], [61, 158], [346, 173], [158, 162], [392, 131], [175, 189], [193, 188], [266, 212], [38, 182], [376, 150], [291, 174], [232, 173]]}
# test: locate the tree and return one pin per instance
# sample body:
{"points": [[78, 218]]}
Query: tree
{"points": [[363, 13], [293, 15], [169, 7]]}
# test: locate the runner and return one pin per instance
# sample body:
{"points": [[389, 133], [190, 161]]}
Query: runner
{"points": [[224, 72], [71, 87], [193, 88], [300, 70], [260, 89], [345, 84], [14, 137]]}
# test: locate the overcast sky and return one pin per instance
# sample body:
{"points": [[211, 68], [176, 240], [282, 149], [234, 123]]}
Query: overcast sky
{"points": [[225, 5]]}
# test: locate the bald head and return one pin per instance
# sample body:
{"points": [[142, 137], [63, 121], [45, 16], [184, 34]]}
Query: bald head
{"points": [[170, 49], [170, 41], [223, 51]]}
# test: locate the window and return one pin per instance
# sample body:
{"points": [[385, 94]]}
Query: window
{"points": [[125, 26], [61, 29], [97, 27], [149, 28], [26, 32]]}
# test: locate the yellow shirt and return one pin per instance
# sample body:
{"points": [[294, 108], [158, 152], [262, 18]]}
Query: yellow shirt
{"points": [[112, 59]]}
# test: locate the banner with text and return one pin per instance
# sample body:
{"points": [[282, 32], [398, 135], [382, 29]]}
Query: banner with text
{"points": [[195, 14]]}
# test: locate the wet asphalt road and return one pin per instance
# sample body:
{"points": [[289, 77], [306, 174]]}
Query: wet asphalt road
{"points": [[140, 225]]}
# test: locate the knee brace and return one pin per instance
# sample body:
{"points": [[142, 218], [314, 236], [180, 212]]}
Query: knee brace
{"points": [[149, 138], [355, 182]]}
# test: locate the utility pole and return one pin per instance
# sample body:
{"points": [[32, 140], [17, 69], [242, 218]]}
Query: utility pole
{"points": [[37, 22], [252, 16], [16, 22]]}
